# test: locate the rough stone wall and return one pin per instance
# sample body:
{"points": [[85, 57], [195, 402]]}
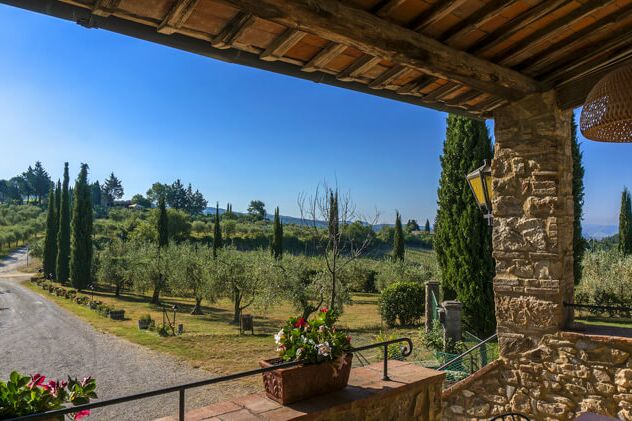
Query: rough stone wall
{"points": [[533, 221], [568, 373]]}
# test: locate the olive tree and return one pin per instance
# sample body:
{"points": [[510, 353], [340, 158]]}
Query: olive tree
{"points": [[151, 267], [114, 265], [193, 273], [304, 283]]}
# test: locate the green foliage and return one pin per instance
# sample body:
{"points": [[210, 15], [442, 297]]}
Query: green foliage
{"points": [[199, 227], [412, 225], [398, 240], [625, 223], [390, 271], [427, 226], [276, 245], [112, 189], [50, 238], [579, 243], [403, 302], [217, 233], [62, 268], [193, 272], [257, 210], [462, 238], [433, 339], [178, 197], [19, 223], [81, 232], [139, 199], [303, 283], [162, 224], [114, 265]]}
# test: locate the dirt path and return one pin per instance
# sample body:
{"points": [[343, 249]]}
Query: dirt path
{"points": [[38, 336]]}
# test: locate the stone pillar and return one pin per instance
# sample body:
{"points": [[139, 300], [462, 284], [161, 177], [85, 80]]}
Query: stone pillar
{"points": [[452, 322], [533, 220], [432, 287]]}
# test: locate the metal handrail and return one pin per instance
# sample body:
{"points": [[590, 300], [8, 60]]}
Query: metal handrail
{"points": [[472, 349], [597, 307], [406, 351]]}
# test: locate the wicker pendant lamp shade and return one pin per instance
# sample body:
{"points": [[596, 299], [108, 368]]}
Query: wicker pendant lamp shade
{"points": [[607, 112]]}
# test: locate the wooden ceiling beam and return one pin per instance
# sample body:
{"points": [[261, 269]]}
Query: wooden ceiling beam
{"points": [[337, 22], [320, 60], [413, 88], [177, 16], [551, 30], [480, 17], [282, 45], [355, 69], [233, 29], [105, 8], [435, 13], [388, 76], [515, 25], [384, 9]]}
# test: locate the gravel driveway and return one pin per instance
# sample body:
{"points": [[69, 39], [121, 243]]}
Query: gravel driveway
{"points": [[38, 336]]}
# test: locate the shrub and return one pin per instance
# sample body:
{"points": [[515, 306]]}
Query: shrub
{"points": [[403, 301]]}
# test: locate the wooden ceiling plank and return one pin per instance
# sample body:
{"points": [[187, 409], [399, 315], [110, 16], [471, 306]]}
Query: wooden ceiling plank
{"points": [[385, 9], [515, 25], [480, 17], [233, 29], [324, 56], [388, 76], [282, 45], [551, 30], [465, 97], [340, 23], [442, 91], [435, 13], [358, 67], [105, 8], [413, 87], [544, 61], [177, 16]]}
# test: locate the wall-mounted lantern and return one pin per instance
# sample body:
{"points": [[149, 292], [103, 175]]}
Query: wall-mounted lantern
{"points": [[480, 181]]}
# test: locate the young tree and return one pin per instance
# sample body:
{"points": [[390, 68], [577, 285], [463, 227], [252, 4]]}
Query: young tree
{"points": [[112, 189], [625, 223], [462, 237], [63, 235], [157, 191], [579, 244], [412, 225], [39, 181], [177, 195], [398, 242], [194, 273], [257, 209], [195, 201], [50, 238], [338, 249], [151, 267], [304, 283], [217, 232], [427, 226], [276, 246], [96, 193], [139, 199], [114, 265], [81, 232]]}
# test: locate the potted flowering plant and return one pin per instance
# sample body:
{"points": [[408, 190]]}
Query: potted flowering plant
{"points": [[25, 395], [324, 352]]}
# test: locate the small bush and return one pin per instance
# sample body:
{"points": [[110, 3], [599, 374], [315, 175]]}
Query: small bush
{"points": [[403, 302]]}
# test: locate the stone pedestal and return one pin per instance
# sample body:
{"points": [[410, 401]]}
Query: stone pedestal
{"points": [[432, 287], [452, 323], [533, 220]]}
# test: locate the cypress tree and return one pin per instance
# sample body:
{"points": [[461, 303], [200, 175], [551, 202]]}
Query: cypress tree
{"points": [[81, 232], [398, 240], [462, 238], [58, 201], [625, 223], [50, 239], [427, 226], [63, 235], [163, 223], [579, 244], [277, 236], [217, 233]]}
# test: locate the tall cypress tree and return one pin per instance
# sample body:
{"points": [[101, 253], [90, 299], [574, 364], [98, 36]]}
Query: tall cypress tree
{"points": [[50, 239], [579, 244], [63, 235], [625, 223], [163, 223], [217, 233], [398, 239], [81, 232], [462, 238], [427, 226], [277, 236]]}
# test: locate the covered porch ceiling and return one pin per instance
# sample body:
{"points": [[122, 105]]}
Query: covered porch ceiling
{"points": [[463, 56]]}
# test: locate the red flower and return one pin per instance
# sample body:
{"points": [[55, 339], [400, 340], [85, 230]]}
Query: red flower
{"points": [[81, 414], [300, 322], [36, 380], [348, 338], [324, 310], [85, 381]]}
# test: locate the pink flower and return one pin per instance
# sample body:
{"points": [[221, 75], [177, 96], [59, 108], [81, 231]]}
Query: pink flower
{"points": [[300, 322], [324, 310], [36, 381], [348, 338], [81, 414], [54, 387], [85, 381]]}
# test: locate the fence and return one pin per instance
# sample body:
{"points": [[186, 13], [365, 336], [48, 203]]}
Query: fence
{"points": [[406, 350], [458, 367]]}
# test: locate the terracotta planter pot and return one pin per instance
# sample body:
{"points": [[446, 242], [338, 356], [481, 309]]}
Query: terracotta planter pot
{"points": [[288, 385]]}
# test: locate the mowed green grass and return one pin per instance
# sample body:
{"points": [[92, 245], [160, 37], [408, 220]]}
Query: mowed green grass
{"points": [[211, 341]]}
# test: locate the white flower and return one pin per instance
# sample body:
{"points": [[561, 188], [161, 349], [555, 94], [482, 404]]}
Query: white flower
{"points": [[299, 352], [279, 337], [323, 349], [321, 329]]}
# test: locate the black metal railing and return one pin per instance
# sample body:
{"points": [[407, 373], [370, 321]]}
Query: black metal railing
{"points": [[180, 389], [594, 307], [456, 361]]}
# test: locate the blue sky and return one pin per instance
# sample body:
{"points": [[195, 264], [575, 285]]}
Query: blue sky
{"points": [[150, 113]]}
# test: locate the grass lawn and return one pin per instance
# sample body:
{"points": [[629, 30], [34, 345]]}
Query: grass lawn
{"points": [[211, 341]]}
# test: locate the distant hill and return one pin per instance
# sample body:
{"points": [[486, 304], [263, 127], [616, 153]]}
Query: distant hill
{"points": [[598, 232]]}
